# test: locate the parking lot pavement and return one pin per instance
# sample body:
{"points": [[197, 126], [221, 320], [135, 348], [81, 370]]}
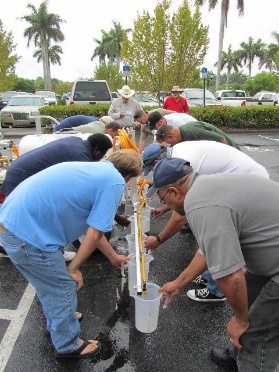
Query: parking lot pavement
{"points": [[186, 330]]}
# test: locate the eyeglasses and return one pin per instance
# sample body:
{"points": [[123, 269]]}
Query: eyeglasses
{"points": [[163, 197]]}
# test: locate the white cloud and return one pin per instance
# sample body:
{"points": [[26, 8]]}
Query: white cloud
{"points": [[85, 19]]}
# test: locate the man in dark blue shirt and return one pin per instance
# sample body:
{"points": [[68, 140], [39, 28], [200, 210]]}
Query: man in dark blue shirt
{"points": [[74, 121]]}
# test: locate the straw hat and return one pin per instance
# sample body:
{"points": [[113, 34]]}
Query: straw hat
{"points": [[176, 89], [126, 91]]}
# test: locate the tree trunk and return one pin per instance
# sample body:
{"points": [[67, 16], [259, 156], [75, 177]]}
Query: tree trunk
{"points": [[221, 39], [45, 60], [228, 78]]}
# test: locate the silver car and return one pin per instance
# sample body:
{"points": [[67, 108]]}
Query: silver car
{"points": [[195, 97], [21, 111]]}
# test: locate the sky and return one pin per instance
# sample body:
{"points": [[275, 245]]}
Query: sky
{"points": [[86, 18]]}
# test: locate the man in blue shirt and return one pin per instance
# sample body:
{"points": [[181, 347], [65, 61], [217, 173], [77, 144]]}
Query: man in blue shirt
{"points": [[74, 121], [55, 216]]}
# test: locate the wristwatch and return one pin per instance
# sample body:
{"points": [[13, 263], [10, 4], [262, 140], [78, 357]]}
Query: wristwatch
{"points": [[158, 238]]}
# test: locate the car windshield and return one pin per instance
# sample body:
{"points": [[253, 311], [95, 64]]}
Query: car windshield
{"points": [[46, 94], [198, 94], [25, 101], [143, 98]]}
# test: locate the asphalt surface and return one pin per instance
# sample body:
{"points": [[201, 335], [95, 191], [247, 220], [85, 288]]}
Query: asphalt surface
{"points": [[186, 330]]}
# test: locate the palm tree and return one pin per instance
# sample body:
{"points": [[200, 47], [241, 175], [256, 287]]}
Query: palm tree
{"points": [[250, 51], [44, 27], [276, 36], [230, 59], [53, 55], [110, 44], [268, 60], [223, 23]]}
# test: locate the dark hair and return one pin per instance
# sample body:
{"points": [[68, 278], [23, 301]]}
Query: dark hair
{"points": [[153, 119], [101, 141], [163, 132], [113, 125]]}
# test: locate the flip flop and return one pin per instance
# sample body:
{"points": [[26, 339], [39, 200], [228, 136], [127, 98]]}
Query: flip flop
{"points": [[77, 352], [79, 316]]}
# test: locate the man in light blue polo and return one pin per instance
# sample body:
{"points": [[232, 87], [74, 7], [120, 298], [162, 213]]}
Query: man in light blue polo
{"points": [[51, 209]]}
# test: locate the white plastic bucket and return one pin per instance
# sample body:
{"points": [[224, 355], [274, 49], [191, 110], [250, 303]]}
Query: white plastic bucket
{"points": [[147, 309], [131, 239], [144, 224], [146, 212], [132, 271]]}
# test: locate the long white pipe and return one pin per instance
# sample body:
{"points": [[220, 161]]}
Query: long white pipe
{"points": [[137, 248]]}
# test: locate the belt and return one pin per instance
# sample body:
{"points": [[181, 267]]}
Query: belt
{"points": [[3, 229]]}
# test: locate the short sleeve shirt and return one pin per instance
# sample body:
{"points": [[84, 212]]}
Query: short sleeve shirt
{"points": [[55, 206], [236, 222]]}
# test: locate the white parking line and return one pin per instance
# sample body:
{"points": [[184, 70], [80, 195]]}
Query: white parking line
{"points": [[269, 138], [17, 318]]}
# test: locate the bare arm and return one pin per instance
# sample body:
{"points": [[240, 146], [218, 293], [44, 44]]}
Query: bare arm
{"points": [[234, 288], [196, 267], [173, 226], [141, 146], [93, 239]]}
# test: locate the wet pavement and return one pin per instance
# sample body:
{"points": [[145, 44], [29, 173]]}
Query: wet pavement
{"points": [[186, 330]]}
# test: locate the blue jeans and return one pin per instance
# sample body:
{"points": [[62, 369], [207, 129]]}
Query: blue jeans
{"points": [[212, 284], [55, 289], [260, 343]]}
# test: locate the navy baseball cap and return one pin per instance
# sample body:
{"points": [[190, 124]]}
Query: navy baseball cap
{"points": [[167, 171], [150, 154]]}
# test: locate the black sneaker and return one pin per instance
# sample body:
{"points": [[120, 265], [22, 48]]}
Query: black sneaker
{"points": [[203, 295], [2, 250], [222, 356], [200, 281], [186, 229]]}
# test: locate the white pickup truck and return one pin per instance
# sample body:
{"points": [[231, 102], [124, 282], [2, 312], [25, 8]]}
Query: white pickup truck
{"points": [[263, 98], [231, 97], [239, 96]]}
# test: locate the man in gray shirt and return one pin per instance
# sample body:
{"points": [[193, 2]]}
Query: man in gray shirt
{"points": [[235, 219], [122, 109]]}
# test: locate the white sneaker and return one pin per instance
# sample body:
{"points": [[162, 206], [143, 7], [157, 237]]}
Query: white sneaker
{"points": [[68, 256]]}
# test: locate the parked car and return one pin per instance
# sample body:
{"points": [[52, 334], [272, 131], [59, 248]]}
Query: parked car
{"points": [[21, 111], [232, 93], [263, 98], [194, 97], [86, 92], [145, 100], [114, 95], [48, 95], [5, 97]]}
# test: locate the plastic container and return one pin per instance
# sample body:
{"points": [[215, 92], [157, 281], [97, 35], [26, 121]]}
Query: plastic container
{"points": [[147, 309], [144, 224], [131, 239], [132, 271], [146, 212]]}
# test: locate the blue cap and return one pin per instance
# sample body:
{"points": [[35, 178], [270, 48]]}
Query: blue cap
{"points": [[150, 154], [167, 171]]}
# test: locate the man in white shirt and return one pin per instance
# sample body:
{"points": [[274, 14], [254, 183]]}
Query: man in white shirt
{"points": [[156, 119]]}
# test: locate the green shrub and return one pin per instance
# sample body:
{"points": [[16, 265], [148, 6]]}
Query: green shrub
{"points": [[252, 117], [62, 112]]}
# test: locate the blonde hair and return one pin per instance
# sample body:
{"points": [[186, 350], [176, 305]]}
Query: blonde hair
{"points": [[128, 162]]}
